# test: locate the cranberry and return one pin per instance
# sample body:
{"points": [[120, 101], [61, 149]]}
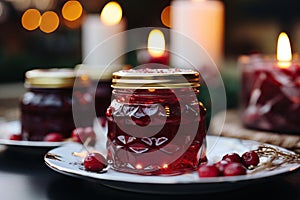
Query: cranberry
{"points": [[94, 162], [82, 134], [233, 157], [53, 137], [234, 169], [208, 170], [221, 166], [15, 137], [250, 158]]}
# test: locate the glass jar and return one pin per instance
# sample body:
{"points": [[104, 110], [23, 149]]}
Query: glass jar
{"points": [[270, 93], [46, 106], [100, 86], [156, 125]]}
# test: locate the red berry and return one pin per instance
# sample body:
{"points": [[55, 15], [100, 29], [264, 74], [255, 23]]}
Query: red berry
{"points": [[208, 171], [250, 158], [94, 162], [234, 169], [15, 137], [233, 157], [53, 137], [221, 166], [82, 134]]}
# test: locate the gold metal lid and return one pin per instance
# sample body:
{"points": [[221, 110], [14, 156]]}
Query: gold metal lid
{"points": [[155, 78], [50, 78]]}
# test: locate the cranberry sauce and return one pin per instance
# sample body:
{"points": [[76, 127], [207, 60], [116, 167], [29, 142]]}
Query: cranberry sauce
{"points": [[102, 96], [47, 105], [46, 110], [156, 131]]}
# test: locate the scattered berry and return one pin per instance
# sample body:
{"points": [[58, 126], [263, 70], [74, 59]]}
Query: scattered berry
{"points": [[250, 158], [94, 162], [221, 166], [234, 169], [233, 157], [53, 137], [15, 137], [208, 171]]}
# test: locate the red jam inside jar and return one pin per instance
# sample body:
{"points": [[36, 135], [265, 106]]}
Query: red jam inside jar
{"points": [[46, 106], [156, 125], [270, 94]]}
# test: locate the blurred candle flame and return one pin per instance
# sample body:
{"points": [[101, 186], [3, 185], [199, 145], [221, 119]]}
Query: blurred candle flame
{"points": [[284, 52], [156, 43], [111, 14]]}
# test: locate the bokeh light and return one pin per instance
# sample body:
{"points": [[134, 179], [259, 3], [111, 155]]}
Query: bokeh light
{"points": [[111, 13], [76, 23], [3, 12], [43, 4], [165, 16], [31, 19], [21, 4], [49, 22], [72, 10]]}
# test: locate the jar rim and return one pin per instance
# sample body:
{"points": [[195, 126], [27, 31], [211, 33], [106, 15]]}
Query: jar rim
{"points": [[155, 78], [50, 78]]}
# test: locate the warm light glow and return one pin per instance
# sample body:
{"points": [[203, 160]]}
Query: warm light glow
{"points": [[284, 52], [31, 19], [72, 10], [111, 14], [49, 22], [21, 4], [165, 166], [138, 166], [165, 16], [43, 4], [156, 43], [198, 0]]}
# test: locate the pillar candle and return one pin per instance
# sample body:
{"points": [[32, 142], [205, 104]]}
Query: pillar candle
{"points": [[95, 31], [199, 22]]}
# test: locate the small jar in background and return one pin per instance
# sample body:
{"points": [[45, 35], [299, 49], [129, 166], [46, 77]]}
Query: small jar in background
{"points": [[46, 106], [156, 125]]}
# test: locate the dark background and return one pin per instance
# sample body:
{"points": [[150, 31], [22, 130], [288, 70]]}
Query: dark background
{"points": [[250, 25]]}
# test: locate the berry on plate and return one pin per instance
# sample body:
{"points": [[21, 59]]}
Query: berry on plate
{"points": [[53, 137], [94, 162], [250, 158]]}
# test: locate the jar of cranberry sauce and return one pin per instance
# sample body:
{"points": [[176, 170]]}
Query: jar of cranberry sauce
{"points": [[156, 125], [46, 106]]}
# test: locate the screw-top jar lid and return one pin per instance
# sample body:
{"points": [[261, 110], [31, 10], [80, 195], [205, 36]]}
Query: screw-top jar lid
{"points": [[155, 78], [50, 78]]}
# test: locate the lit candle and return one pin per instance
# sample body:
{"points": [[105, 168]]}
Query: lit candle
{"points": [[97, 29], [284, 51], [201, 22], [156, 49], [270, 92]]}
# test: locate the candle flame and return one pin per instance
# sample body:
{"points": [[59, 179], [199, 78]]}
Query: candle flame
{"points": [[111, 13], [284, 52], [156, 43]]}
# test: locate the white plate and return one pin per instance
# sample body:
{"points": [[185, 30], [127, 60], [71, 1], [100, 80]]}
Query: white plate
{"points": [[64, 162], [14, 127]]}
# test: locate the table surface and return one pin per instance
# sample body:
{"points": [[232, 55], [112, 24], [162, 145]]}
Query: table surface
{"points": [[24, 175]]}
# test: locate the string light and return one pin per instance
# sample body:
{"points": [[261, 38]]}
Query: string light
{"points": [[49, 22], [72, 10], [165, 16], [31, 19]]}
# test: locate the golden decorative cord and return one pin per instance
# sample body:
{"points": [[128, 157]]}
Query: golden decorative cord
{"points": [[275, 158]]}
